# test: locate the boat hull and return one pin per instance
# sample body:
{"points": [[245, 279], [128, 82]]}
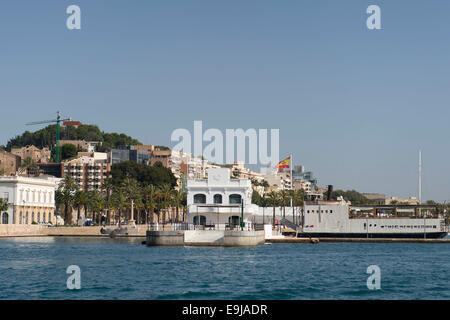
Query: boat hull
{"points": [[429, 235]]}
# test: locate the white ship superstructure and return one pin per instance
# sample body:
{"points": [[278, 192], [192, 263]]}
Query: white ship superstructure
{"points": [[333, 218]]}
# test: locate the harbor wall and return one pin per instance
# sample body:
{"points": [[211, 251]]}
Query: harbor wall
{"points": [[165, 238], [15, 230], [205, 238], [243, 238]]}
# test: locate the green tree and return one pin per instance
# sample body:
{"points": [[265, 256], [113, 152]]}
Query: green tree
{"points": [[3, 205], [164, 201], [107, 187], [284, 197], [178, 196], [68, 151], [144, 174], [78, 202], [96, 204], [66, 195], [119, 201], [150, 193], [273, 197], [132, 190], [46, 137], [29, 167]]}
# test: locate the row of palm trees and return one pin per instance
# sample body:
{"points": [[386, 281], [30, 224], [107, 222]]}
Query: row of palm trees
{"points": [[283, 198], [114, 203]]}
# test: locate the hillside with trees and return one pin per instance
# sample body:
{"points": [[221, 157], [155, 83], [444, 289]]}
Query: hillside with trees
{"points": [[354, 196], [46, 137]]}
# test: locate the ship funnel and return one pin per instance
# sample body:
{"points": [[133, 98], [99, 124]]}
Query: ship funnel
{"points": [[330, 191]]}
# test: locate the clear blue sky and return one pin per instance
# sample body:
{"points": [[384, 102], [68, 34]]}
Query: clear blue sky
{"points": [[353, 105]]}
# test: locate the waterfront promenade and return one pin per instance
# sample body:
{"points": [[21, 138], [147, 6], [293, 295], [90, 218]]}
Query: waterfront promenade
{"points": [[12, 230], [140, 231]]}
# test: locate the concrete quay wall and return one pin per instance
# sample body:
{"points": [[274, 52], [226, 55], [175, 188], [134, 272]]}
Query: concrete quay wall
{"points": [[14, 230], [165, 238], [28, 230], [205, 238], [243, 238]]}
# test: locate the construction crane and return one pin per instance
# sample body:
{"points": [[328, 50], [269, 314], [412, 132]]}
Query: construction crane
{"points": [[57, 121]]}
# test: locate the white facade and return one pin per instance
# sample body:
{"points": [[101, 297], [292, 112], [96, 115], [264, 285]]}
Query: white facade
{"points": [[332, 217], [217, 200], [30, 199]]}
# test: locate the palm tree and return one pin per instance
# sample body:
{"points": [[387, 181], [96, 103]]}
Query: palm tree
{"points": [[28, 166], [119, 201], [297, 197], [177, 196], [107, 186], [132, 190], [274, 198], [165, 199], [96, 204], [284, 196], [65, 196], [150, 196], [78, 202]]}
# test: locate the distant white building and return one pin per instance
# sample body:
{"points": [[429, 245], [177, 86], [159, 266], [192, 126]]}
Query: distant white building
{"points": [[217, 200], [30, 199]]}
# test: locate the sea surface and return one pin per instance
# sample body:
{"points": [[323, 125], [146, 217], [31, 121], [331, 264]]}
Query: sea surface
{"points": [[35, 268]]}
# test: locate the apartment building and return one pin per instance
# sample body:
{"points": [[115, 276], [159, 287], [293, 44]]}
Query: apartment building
{"points": [[136, 155], [88, 172], [170, 159], [239, 171], [300, 173]]}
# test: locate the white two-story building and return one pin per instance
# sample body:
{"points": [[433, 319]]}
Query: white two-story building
{"points": [[217, 201], [29, 199]]}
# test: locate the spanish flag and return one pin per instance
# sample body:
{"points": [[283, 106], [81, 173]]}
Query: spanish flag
{"points": [[284, 163]]}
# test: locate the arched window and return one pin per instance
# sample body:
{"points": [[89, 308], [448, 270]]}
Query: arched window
{"points": [[26, 217], [32, 217], [20, 218], [217, 198], [44, 218], [39, 217], [199, 198], [5, 218], [235, 199], [202, 220]]}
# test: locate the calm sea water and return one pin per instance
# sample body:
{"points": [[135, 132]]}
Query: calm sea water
{"points": [[35, 268]]}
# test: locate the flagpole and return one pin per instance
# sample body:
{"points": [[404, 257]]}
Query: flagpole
{"points": [[292, 178], [291, 164]]}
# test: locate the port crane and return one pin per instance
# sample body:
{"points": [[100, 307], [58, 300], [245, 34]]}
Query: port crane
{"points": [[57, 121]]}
